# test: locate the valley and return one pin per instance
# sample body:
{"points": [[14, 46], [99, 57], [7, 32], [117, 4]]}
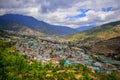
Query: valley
{"points": [[96, 50], [59, 40]]}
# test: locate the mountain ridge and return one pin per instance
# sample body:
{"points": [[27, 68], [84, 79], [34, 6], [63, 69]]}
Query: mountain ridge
{"points": [[95, 32], [17, 27], [39, 25]]}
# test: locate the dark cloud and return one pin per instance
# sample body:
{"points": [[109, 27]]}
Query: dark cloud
{"points": [[53, 5]]}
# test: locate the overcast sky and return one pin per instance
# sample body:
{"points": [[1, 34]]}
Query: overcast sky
{"points": [[71, 13]]}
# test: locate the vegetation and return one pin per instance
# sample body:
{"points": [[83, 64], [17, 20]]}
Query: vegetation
{"points": [[14, 66], [102, 32]]}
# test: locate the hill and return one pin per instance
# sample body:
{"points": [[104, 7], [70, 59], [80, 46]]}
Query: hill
{"points": [[102, 40], [102, 32], [109, 48], [17, 27], [41, 26]]}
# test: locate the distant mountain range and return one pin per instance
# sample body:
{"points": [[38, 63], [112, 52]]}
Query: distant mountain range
{"points": [[34, 24], [83, 28]]}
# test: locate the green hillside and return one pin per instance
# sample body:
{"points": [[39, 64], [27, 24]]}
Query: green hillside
{"points": [[102, 32]]}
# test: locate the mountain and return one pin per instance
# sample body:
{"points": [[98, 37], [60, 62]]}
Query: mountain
{"points": [[39, 25], [105, 31], [83, 28], [101, 40], [17, 27]]}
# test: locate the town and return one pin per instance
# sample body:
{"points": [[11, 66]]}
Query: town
{"points": [[46, 51]]}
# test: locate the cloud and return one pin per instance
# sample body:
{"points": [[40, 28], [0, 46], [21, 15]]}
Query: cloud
{"points": [[72, 13]]}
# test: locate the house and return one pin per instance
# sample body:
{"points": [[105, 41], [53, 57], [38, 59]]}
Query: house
{"points": [[97, 64], [55, 59], [27, 51]]}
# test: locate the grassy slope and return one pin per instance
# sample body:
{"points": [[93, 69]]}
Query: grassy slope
{"points": [[106, 31]]}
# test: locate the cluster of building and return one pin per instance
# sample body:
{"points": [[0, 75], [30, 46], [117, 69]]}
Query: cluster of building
{"points": [[51, 51]]}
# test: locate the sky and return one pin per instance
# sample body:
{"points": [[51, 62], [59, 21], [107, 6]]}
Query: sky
{"points": [[71, 13]]}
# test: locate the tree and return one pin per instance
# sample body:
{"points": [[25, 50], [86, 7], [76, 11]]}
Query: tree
{"points": [[61, 62]]}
